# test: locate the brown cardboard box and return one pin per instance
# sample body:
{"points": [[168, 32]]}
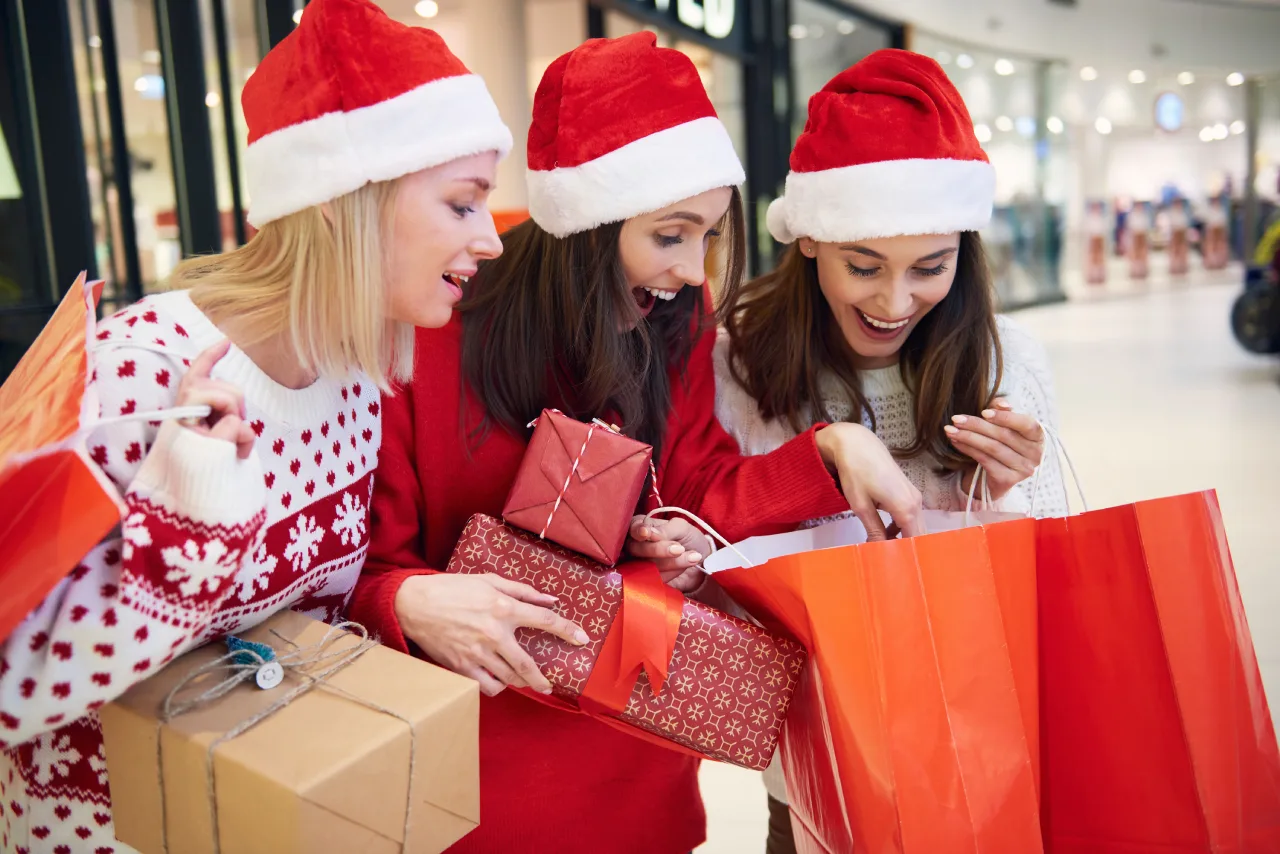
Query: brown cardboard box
{"points": [[324, 773]]}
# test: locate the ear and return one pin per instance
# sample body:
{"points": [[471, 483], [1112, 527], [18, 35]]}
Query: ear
{"points": [[808, 248]]}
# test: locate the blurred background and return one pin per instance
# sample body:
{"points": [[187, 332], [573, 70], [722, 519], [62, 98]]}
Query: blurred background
{"points": [[1136, 143]]}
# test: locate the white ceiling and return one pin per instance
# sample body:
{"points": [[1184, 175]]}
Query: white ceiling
{"points": [[1239, 35]]}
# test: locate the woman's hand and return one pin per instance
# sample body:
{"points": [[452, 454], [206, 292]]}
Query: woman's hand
{"points": [[871, 479], [226, 420], [467, 623], [1007, 444], [676, 547]]}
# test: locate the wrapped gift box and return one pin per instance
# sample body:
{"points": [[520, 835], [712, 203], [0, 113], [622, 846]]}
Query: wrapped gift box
{"points": [[729, 683], [327, 772]]}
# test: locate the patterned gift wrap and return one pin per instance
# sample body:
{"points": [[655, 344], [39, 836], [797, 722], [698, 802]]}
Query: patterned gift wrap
{"points": [[729, 684]]}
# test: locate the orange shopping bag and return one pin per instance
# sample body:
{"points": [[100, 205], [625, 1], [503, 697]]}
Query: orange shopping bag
{"points": [[1157, 735], [55, 505], [915, 730]]}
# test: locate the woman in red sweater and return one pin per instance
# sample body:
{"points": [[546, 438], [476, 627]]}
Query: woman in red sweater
{"points": [[594, 308]]}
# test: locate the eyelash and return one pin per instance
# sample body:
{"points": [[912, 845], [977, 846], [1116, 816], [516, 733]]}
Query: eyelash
{"points": [[667, 242], [462, 211], [866, 274]]}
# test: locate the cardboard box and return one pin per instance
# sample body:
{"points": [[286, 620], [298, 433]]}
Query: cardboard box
{"points": [[324, 773]]}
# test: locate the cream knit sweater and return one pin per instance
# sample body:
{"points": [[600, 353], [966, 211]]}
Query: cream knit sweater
{"points": [[1027, 385]]}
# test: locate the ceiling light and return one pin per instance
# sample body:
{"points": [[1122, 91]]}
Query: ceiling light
{"points": [[95, 41], [964, 60], [1220, 131], [845, 27], [1238, 127], [140, 85], [1102, 125], [1004, 67], [249, 73], [1186, 78], [297, 17], [1004, 124], [1235, 78], [427, 8], [212, 99], [1055, 124], [982, 132], [1206, 134], [99, 85], [1088, 73], [798, 31], [1137, 76]]}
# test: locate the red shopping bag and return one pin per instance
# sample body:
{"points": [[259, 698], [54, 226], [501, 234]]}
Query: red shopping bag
{"points": [[1157, 735], [915, 729]]}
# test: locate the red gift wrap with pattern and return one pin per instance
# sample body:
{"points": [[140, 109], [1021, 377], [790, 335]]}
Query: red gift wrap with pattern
{"points": [[723, 690]]}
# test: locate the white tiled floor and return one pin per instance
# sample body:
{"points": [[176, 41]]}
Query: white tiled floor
{"points": [[1156, 399]]}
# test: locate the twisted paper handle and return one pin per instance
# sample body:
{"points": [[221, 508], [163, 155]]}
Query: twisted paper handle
{"points": [[1054, 442]]}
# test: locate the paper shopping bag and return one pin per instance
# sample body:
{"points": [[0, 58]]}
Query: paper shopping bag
{"points": [[915, 727], [1157, 735]]}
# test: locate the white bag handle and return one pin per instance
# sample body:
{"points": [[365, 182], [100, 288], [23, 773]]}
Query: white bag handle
{"points": [[1055, 445], [700, 523]]}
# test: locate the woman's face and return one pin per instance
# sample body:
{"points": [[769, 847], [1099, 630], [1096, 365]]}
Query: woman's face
{"points": [[666, 250], [880, 289], [441, 231]]}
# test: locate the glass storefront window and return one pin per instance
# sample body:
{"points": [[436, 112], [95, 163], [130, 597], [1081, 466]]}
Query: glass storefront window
{"points": [[242, 57], [19, 284]]}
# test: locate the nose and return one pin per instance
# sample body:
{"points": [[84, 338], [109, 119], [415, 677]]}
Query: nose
{"points": [[691, 268], [486, 243], [897, 299]]}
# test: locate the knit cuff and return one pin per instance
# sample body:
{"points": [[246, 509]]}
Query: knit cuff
{"points": [[799, 478], [200, 477]]}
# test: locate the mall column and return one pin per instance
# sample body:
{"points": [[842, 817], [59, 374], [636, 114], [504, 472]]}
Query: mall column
{"points": [[495, 48]]}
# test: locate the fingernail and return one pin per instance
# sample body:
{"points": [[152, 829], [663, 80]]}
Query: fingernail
{"points": [[676, 549], [694, 557], [546, 690], [645, 533], [581, 637], [951, 431], [1003, 404], [959, 419], [988, 413]]}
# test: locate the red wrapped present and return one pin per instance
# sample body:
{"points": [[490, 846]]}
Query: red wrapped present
{"points": [[578, 485], [660, 666]]}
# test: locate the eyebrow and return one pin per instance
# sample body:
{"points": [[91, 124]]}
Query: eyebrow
{"points": [[479, 182], [871, 253], [687, 216]]}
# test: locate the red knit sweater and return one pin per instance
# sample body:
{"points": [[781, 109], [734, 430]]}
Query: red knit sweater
{"points": [[554, 780]]}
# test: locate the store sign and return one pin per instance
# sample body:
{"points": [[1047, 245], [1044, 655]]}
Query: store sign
{"points": [[717, 22]]}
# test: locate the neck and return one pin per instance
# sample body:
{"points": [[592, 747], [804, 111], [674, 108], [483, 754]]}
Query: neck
{"points": [[275, 356]]}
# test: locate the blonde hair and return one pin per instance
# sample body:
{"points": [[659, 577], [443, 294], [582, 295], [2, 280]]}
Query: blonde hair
{"points": [[319, 277]]}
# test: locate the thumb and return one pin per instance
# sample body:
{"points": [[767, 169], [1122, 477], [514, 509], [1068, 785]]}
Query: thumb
{"points": [[523, 592]]}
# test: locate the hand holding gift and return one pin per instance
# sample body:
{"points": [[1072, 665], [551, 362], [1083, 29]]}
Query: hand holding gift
{"points": [[468, 624], [675, 546]]}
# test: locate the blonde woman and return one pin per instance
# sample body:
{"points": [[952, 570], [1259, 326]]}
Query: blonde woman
{"points": [[369, 183]]}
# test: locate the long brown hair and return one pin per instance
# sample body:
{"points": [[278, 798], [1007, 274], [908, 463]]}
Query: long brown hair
{"points": [[783, 336], [542, 328]]}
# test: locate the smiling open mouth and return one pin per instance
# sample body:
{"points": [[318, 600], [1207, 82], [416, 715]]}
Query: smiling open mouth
{"points": [[880, 329]]}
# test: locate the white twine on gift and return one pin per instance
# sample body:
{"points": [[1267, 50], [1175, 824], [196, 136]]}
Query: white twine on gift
{"points": [[1054, 444], [591, 428], [242, 666]]}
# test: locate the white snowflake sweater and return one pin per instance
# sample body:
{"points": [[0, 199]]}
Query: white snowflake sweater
{"points": [[211, 545], [1027, 384]]}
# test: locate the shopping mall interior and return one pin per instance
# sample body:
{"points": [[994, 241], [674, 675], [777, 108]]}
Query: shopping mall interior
{"points": [[1137, 214]]}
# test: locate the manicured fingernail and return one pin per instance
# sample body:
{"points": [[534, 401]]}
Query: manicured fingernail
{"points": [[546, 690], [988, 413], [950, 431], [694, 557], [959, 419], [676, 549], [1003, 404], [582, 637]]}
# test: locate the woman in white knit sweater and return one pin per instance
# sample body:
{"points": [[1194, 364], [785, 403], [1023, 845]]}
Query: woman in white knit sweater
{"points": [[881, 312]]}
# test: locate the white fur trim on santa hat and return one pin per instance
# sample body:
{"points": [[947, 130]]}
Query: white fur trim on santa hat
{"points": [[321, 159], [638, 178], [884, 199]]}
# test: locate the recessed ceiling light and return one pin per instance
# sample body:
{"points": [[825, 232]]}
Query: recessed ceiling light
{"points": [[845, 27], [1238, 127], [1088, 73], [1235, 78], [1137, 76], [1054, 124], [212, 99], [1004, 67], [1186, 78], [1102, 125], [297, 17], [964, 60], [982, 132], [95, 41], [427, 8], [1220, 131], [1004, 124], [798, 31]]}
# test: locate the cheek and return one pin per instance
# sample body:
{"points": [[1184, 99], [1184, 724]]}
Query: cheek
{"points": [[935, 290], [841, 289]]}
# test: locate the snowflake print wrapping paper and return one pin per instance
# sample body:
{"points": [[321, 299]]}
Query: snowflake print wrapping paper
{"points": [[730, 682]]}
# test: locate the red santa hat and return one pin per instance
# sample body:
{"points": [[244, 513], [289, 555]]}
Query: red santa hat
{"points": [[622, 127], [351, 97], [888, 149]]}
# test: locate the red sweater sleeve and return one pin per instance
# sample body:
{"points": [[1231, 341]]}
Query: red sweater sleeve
{"points": [[397, 535], [704, 472]]}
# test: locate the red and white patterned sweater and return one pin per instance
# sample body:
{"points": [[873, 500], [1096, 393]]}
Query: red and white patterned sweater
{"points": [[211, 545]]}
